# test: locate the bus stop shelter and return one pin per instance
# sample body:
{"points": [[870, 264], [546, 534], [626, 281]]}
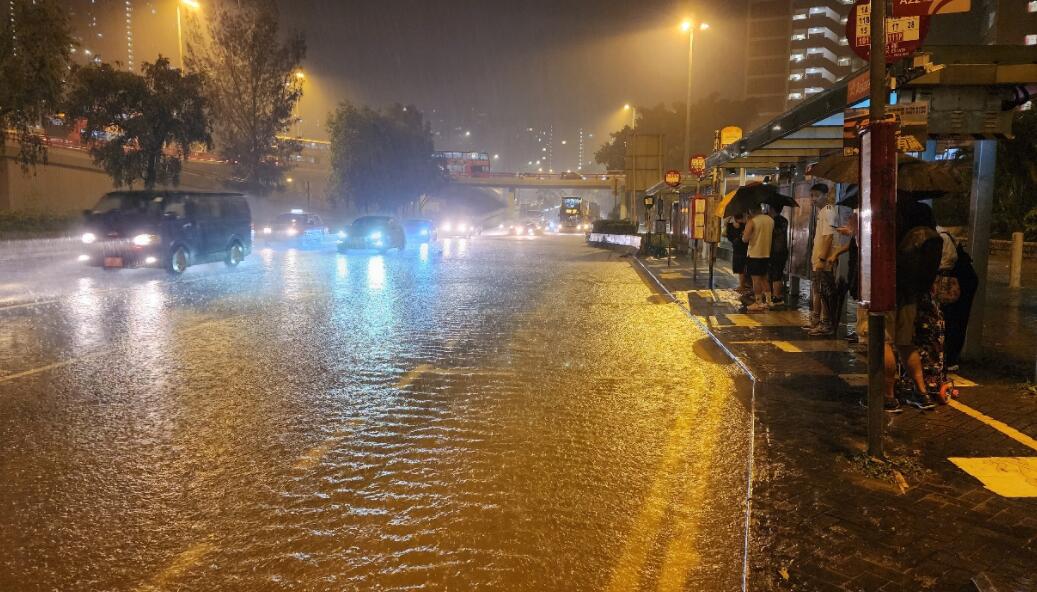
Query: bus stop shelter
{"points": [[970, 91]]}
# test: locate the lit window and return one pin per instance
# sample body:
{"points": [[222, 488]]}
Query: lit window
{"points": [[799, 37], [798, 57], [1031, 39], [796, 77], [801, 17], [795, 96], [844, 61]]}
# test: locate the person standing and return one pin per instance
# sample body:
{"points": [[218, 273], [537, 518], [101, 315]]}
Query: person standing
{"points": [[957, 264], [739, 253], [779, 256], [822, 277], [759, 231]]}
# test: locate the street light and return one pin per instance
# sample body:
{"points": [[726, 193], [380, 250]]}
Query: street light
{"points": [[689, 27], [633, 115], [193, 6], [300, 75]]}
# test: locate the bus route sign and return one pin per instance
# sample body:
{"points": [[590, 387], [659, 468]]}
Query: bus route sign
{"points": [[904, 35]]}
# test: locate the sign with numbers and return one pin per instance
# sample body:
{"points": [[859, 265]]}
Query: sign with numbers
{"points": [[904, 35], [672, 178], [697, 165], [929, 7]]}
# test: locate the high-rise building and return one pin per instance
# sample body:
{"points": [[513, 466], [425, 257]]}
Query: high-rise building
{"points": [[796, 48], [127, 32], [1008, 22]]}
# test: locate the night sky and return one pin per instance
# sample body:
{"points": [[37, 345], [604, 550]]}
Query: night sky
{"points": [[498, 67]]}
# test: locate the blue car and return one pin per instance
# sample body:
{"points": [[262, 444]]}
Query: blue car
{"points": [[419, 231], [379, 233]]}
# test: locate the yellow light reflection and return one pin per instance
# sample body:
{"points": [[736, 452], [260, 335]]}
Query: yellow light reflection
{"points": [[342, 267], [423, 253], [448, 248]]}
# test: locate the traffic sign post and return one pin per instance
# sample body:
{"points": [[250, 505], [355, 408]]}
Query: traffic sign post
{"points": [[697, 165], [904, 35], [672, 178]]}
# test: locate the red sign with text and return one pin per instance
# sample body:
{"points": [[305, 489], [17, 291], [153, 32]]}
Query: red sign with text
{"points": [[904, 35], [929, 7], [697, 165]]}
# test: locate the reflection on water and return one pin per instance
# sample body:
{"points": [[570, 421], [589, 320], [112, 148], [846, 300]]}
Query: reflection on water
{"points": [[448, 248], [342, 268], [376, 273], [462, 247], [423, 252], [85, 314], [147, 323]]}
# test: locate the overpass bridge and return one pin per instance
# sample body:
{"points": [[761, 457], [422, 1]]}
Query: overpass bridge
{"points": [[508, 184]]}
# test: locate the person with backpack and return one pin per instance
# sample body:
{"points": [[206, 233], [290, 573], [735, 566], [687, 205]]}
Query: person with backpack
{"points": [[779, 257]]}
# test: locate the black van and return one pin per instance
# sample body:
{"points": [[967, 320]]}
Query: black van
{"points": [[170, 229]]}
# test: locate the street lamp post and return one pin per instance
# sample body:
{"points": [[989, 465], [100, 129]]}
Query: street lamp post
{"points": [[689, 27], [192, 5]]}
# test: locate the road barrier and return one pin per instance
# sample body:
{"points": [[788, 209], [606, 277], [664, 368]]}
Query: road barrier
{"points": [[623, 240]]}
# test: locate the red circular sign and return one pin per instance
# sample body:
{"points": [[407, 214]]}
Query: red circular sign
{"points": [[697, 165], [673, 178], [904, 35]]}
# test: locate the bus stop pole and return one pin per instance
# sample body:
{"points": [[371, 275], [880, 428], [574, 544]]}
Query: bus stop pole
{"points": [[881, 232]]}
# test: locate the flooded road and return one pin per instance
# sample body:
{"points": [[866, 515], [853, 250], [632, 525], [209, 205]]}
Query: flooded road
{"points": [[491, 414]]}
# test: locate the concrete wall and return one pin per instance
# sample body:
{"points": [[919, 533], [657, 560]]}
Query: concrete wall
{"points": [[70, 183]]}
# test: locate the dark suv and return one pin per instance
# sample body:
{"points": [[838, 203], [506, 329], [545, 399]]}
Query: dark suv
{"points": [[170, 229]]}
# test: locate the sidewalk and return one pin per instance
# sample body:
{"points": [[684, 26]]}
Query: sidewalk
{"points": [[824, 516]]}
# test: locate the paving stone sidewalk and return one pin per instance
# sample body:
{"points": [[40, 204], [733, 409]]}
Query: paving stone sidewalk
{"points": [[827, 518]]}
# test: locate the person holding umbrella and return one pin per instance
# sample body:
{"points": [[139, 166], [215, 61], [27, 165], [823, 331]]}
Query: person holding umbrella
{"points": [[759, 231], [822, 278]]}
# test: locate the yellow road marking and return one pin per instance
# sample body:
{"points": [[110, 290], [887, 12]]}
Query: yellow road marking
{"points": [[997, 425], [961, 382], [741, 320], [53, 366], [1005, 476], [788, 346], [181, 563], [627, 574], [413, 375]]}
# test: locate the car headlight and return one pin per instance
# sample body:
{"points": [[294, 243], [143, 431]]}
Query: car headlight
{"points": [[88, 238], [375, 236], [267, 230], [447, 227], [291, 232], [342, 234], [462, 227], [143, 240]]}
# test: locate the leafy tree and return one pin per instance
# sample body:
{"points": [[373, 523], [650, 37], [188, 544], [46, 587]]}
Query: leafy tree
{"points": [[252, 84], [1015, 195], [141, 127], [612, 154], [708, 114], [381, 160], [35, 53]]}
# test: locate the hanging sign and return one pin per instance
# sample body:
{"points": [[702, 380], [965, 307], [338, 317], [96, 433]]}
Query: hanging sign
{"points": [[697, 165], [729, 135], [904, 35], [673, 178]]}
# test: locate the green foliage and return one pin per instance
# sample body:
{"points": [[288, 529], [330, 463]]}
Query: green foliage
{"points": [[35, 51], [252, 85], [1030, 225], [707, 115], [1015, 194], [381, 160], [35, 224], [614, 227], [151, 120]]}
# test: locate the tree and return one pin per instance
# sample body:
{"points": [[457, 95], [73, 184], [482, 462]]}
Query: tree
{"points": [[35, 52], [381, 160], [1015, 195], [140, 127], [612, 154], [252, 83], [708, 115]]}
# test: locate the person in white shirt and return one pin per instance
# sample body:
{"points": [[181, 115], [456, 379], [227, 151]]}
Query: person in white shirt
{"points": [[822, 276]]}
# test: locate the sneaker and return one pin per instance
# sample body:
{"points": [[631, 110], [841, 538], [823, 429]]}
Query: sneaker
{"points": [[917, 399], [852, 338], [809, 327], [892, 406], [821, 331], [953, 368], [758, 307]]}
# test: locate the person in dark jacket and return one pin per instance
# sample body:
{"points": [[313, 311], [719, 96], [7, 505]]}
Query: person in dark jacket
{"points": [[779, 257], [739, 252]]}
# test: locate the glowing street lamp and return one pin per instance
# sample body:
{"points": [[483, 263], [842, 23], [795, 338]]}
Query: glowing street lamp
{"points": [[193, 6], [689, 26]]}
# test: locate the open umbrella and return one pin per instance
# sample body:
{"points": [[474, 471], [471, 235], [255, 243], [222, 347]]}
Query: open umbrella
{"points": [[779, 200], [724, 202], [752, 196], [913, 174]]}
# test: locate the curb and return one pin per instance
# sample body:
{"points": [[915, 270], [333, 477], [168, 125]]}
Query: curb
{"points": [[744, 367]]}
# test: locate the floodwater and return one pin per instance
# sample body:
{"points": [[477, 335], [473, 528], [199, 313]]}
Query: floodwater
{"points": [[486, 414]]}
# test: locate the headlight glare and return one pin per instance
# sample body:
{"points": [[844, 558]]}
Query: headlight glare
{"points": [[88, 238], [143, 240]]}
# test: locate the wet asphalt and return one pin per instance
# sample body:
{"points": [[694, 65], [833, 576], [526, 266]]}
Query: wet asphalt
{"points": [[490, 414]]}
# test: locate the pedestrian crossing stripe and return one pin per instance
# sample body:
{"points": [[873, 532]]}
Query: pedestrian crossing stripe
{"points": [[1005, 476]]}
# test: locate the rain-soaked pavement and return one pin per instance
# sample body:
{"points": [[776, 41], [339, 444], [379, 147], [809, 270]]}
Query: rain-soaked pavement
{"points": [[492, 414]]}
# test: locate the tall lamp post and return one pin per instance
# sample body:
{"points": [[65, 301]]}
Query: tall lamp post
{"points": [[632, 183], [192, 5], [689, 26]]}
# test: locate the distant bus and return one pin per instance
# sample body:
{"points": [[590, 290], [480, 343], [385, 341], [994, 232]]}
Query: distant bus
{"points": [[464, 164], [572, 215]]}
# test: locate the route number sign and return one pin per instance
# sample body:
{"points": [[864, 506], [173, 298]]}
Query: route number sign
{"points": [[697, 165], [673, 178], [904, 35]]}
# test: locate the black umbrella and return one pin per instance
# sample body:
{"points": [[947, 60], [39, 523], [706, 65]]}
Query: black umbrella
{"points": [[778, 201], [851, 198], [752, 196]]}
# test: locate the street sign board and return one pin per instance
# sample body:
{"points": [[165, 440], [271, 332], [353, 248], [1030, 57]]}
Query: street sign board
{"points": [[912, 118], [929, 7], [729, 135], [858, 88], [904, 35], [698, 218], [697, 165], [672, 178]]}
